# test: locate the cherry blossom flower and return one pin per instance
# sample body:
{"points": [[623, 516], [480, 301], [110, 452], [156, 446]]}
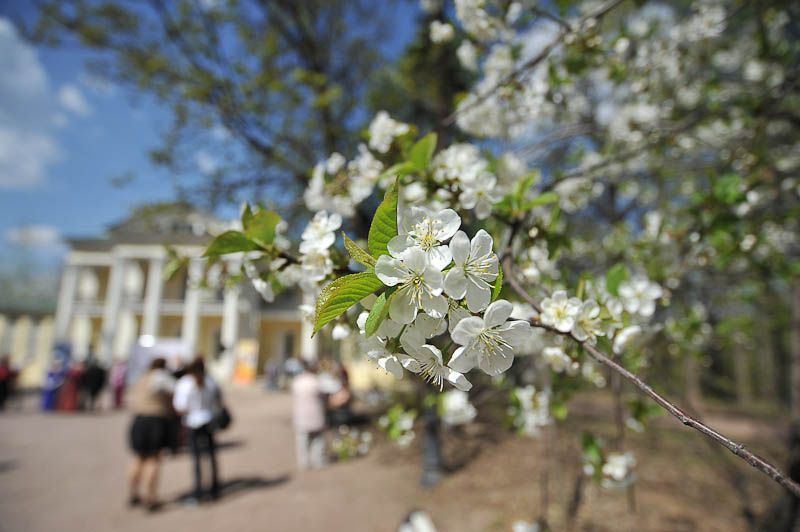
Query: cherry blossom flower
{"points": [[419, 285], [441, 32], [476, 266], [429, 232], [588, 325], [383, 130], [639, 296], [456, 408], [480, 195], [488, 341], [320, 234], [560, 311]]}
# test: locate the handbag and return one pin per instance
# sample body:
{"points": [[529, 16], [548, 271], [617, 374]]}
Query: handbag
{"points": [[222, 417]]}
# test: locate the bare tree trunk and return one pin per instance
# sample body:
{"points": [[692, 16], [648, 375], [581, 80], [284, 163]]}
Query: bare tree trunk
{"points": [[694, 393]]}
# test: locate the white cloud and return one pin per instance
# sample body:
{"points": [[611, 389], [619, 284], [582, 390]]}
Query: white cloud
{"points": [[27, 147], [34, 236], [71, 99]]}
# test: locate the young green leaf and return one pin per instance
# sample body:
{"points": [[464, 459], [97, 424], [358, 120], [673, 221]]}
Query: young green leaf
{"points": [[356, 253], [378, 313], [341, 294], [399, 170], [384, 224], [422, 152], [498, 283], [229, 242], [261, 228], [247, 216], [543, 199], [614, 277]]}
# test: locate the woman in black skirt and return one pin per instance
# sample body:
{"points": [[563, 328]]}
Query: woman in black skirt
{"points": [[150, 400]]}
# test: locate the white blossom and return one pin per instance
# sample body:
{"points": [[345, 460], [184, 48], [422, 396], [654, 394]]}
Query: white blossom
{"points": [[467, 55], [489, 341], [639, 296], [441, 32], [476, 265], [419, 285], [320, 233], [480, 194], [560, 311], [383, 130], [428, 232], [456, 408], [588, 325]]}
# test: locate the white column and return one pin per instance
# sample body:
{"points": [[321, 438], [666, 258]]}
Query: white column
{"points": [[191, 305], [230, 319], [111, 309], [66, 302], [309, 346], [152, 298]]}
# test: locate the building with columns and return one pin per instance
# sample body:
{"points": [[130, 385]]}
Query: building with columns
{"points": [[114, 292]]}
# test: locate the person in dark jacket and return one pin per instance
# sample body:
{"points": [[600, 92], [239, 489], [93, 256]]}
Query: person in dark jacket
{"points": [[94, 380]]}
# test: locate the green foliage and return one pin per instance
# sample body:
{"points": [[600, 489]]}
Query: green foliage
{"points": [[384, 224], [728, 188], [615, 276], [548, 198], [498, 283], [422, 152], [341, 294], [230, 242], [261, 227], [378, 312], [356, 253]]}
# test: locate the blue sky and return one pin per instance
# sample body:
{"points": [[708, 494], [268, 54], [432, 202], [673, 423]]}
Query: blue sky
{"points": [[63, 135]]}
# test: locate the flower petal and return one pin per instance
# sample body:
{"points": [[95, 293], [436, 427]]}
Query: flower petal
{"points": [[460, 248], [467, 329], [450, 222], [497, 363], [515, 333], [478, 294], [481, 244], [389, 270], [455, 283], [439, 257], [401, 308], [390, 364], [435, 306], [458, 380], [399, 244], [462, 360], [497, 313]]}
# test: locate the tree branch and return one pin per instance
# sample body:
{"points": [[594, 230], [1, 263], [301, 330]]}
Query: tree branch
{"points": [[736, 448]]}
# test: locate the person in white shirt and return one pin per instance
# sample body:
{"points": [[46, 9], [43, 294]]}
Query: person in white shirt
{"points": [[308, 416], [196, 399]]}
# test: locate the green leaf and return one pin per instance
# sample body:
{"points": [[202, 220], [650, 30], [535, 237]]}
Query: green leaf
{"points": [[247, 216], [384, 225], [498, 283], [341, 294], [399, 170], [543, 199], [230, 242], [614, 277], [261, 228], [356, 253], [728, 188], [422, 152], [378, 313]]}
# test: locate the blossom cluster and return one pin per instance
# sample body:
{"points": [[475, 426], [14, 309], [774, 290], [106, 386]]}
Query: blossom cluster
{"points": [[530, 410], [442, 280]]}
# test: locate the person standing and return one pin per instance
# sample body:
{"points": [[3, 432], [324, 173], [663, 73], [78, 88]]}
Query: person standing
{"points": [[94, 380], [150, 401], [119, 372], [8, 377], [69, 398], [196, 398], [308, 416]]}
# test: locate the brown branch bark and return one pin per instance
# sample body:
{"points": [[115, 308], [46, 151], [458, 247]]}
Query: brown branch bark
{"points": [[736, 448]]}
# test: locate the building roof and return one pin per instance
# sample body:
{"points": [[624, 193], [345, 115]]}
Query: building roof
{"points": [[174, 223]]}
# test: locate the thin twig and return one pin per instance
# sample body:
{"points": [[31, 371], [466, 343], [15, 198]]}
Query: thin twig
{"points": [[736, 448]]}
